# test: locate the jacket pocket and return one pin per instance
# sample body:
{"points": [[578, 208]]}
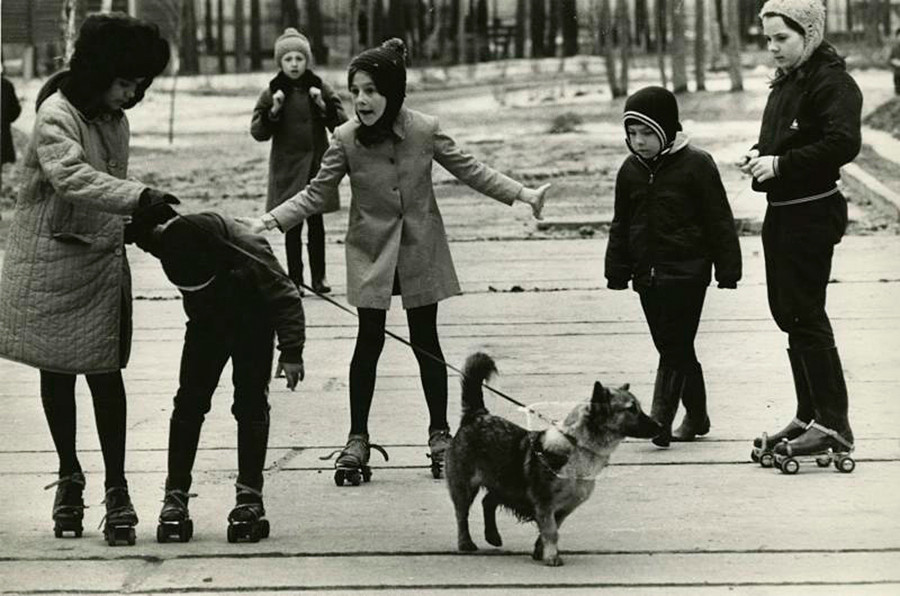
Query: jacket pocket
{"points": [[69, 224]]}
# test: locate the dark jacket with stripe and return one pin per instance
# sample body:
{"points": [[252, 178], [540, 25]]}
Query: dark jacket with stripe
{"points": [[812, 123], [672, 222]]}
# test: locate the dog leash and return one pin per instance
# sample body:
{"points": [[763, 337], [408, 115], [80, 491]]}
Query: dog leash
{"points": [[552, 422]]}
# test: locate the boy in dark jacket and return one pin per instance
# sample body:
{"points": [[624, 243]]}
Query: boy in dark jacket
{"points": [[236, 297], [672, 221]]}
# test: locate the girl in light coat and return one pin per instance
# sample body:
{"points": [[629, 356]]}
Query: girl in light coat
{"points": [[396, 243], [65, 291]]}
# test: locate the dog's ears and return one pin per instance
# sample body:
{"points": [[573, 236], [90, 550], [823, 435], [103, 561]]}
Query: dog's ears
{"points": [[600, 395], [625, 387]]}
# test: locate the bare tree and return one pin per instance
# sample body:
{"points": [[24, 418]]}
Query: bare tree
{"points": [[552, 28], [354, 27], [316, 34], [733, 48], [255, 42], [220, 42], [872, 18], [69, 16], [461, 32], [240, 42], [538, 20], [190, 60], [209, 38], [700, 44], [290, 15], [679, 48], [608, 48], [521, 18], [569, 16], [623, 28], [660, 10]]}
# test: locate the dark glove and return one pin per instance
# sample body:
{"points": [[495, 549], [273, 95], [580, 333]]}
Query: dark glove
{"points": [[617, 284], [154, 207], [728, 285]]}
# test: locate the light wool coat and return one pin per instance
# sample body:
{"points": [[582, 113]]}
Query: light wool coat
{"points": [[65, 290], [395, 224]]}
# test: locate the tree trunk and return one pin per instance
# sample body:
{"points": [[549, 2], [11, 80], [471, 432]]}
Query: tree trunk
{"points": [[714, 34], [240, 42], [376, 23], [354, 27], [679, 49], [700, 44], [661, 41], [190, 61], [220, 42], [569, 16], [538, 20], [552, 29], [209, 36], [734, 45], [461, 50], [872, 19], [316, 33], [623, 26], [70, 31], [255, 41], [642, 23], [290, 15], [521, 17], [608, 48], [481, 31]]}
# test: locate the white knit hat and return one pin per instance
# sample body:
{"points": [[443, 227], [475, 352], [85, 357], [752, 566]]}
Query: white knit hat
{"points": [[291, 41], [809, 14]]}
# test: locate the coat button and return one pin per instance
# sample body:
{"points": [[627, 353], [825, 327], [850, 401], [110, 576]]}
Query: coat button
{"points": [[118, 252], [391, 160], [113, 163]]}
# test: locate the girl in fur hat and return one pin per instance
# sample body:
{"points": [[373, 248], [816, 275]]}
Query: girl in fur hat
{"points": [[396, 243], [810, 128], [65, 292], [294, 112]]}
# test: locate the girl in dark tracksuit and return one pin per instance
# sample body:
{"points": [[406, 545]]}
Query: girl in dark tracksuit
{"points": [[810, 128], [672, 221]]}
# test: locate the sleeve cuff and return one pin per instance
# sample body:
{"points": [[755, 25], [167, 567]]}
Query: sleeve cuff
{"points": [[291, 355], [270, 222]]}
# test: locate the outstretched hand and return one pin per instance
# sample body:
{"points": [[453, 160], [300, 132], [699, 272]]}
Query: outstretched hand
{"points": [[535, 198], [255, 224], [293, 372]]}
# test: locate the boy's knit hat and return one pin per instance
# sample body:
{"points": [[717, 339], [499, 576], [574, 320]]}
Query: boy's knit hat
{"points": [[386, 65], [809, 14], [657, 108], [291, 41]]}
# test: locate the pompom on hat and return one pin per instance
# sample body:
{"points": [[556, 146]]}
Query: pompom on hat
{"points": [[809, 14], [657, 108], [291, 41]]}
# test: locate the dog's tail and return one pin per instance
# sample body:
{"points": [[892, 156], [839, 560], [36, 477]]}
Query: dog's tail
{"points": [[479, 368]]}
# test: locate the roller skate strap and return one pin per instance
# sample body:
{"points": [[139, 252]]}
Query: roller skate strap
{"points": [[800, 424], [75, 478], [179, 495], [243, 488], [831, 433]]}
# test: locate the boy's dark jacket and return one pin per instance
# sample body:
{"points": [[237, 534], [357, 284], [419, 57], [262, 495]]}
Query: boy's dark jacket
{"points": [[249, 283], [672, 221], [812, 123]]}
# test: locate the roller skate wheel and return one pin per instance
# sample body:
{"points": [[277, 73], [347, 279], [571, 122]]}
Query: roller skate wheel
{"points": [[354, 477], [57, 531], [823, 462], [790, 466], [161, 535], [767, 460], [754, 456], [186, 532], [263, 528], [845, 464], [78, 533], [232, 534], [339, 477], [367, 474], [436, 471]]}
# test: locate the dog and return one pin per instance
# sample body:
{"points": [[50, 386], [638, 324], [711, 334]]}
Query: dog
{"points": [[540, 476]]}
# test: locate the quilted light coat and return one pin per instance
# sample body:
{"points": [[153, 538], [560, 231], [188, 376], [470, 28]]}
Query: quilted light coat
{"points": [[395, 223], [65, 279]]}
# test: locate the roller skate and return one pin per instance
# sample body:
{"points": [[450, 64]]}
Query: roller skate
{"points": [[247, 521], [438, 442], [763, 446], [120, 519], [819, 444], [68, 505], [175, 521], [352, 464]]}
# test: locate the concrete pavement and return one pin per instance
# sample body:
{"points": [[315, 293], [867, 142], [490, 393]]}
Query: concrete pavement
{"points": [[694, 519]]}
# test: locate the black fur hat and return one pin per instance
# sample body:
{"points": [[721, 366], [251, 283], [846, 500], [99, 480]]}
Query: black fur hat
{"points": [[110, 46]]}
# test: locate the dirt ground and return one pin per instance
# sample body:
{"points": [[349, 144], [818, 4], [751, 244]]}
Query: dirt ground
{"points": [[564, 131]]}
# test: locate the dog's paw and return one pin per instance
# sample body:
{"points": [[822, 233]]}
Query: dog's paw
{"points": [[554, 561], [493, 538], [467, 546]]}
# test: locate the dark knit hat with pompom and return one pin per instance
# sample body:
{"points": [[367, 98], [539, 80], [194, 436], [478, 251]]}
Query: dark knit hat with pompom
{"points": [[657, 108]]}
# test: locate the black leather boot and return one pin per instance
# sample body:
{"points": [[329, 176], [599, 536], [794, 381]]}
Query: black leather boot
{"points": [[667, 392], [696, 417]]}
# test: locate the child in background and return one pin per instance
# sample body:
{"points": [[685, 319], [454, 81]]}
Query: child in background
{"points": [[671, 223], [396, 243], [295, 111], [65, 293], [236, 297]]}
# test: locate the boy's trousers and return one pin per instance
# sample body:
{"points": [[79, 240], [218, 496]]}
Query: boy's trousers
{"points": [[673, 315], [798, 241]]}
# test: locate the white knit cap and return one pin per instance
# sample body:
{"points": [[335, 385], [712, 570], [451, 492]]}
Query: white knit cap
{"points": [[809, 14]]}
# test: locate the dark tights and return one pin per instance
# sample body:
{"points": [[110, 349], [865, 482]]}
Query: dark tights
{"points": [[369, 343], [108, 392]]}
